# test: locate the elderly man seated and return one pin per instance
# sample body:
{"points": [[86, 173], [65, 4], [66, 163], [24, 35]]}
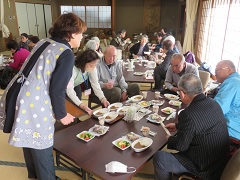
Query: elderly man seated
{"points": [[161, 69], [111, 78], [177, 68], [201, 137], [228, 97], [138, 50]]}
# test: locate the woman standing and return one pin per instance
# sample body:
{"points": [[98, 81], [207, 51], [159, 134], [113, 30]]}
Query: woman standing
{"points": [[41, 98], [85, 72]]}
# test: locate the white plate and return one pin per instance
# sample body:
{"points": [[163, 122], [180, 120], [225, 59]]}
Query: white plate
{"points": [[115, 143], [175, 103], [138, 73], [100, 112], [149, 118], [132, 135], [171, 97], [82, 138], [168, 110], [147, 141], [110, 116], [145, 103], [103, 128], [136, 98], [122, 110], [115, 106], [157, 102]]}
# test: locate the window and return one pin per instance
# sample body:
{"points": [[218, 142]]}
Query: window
{"points": [[94, 16], [219, 32]]}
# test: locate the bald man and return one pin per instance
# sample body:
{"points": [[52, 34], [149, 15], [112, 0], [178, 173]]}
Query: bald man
{"points": [[111, 78], [228, 96]]}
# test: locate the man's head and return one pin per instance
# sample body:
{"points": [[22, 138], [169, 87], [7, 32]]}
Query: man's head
{"points": [[224, 69], [171, 38], [91, 44], [178, 63], [144, 39], [122, 33], [167, 45], [97, 41], [110, 54], [24, 37], [189, 86]]}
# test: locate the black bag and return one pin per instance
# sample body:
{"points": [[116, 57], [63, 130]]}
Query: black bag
{"points": [[15, 88]]}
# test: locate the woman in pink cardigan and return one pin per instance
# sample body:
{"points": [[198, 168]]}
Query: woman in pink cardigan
{"points": [[19, 57]]}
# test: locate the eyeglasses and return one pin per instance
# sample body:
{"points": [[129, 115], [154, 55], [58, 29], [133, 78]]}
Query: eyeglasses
{"points": [[216, 70]]}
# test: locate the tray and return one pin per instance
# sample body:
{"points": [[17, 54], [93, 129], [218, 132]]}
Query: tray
{"points": [[113, 121]]}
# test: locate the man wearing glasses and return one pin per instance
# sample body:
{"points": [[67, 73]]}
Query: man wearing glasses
{"points": [[177, 68], [228, 98]]}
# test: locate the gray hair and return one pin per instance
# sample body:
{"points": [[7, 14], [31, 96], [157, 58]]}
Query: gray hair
{"points": [[91, 44], [190, 84], [96, 39], [144, 36], [178, 55]]}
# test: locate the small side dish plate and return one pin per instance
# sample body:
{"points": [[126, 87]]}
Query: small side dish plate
{"points": [[168, 110], [85, 136], [121, 143], [171, 97], [175, 103]]}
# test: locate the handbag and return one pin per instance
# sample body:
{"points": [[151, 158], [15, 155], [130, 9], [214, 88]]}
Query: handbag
{"points": [[8, 104]]}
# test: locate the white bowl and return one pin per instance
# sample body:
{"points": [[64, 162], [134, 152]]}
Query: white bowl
{"points": [[115, 106], [147, 141], [122, 110], [136, 98], [110, 116], [100, 112], [171, 97]]}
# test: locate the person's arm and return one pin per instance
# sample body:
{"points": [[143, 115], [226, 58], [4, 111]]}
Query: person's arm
{"points": [[225, 95], [93, 78], [71, 92], [194, 70], [99, 69], [60, 78], [121, 81], [169, 78], [185, 133], [16, 61]]}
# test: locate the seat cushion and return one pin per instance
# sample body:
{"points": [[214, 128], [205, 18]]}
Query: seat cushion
{"points": [[232, 170]]}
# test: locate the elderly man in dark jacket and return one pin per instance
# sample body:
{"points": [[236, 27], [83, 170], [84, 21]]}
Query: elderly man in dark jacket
{"points": [[161, 69], [201, 138]]}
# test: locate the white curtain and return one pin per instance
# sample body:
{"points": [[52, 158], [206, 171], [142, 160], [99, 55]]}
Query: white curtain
{"points": [[191, 10], [3, 27]]}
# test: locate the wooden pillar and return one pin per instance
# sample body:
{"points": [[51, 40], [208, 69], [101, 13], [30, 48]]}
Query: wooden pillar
{"points": [[113, 14]]}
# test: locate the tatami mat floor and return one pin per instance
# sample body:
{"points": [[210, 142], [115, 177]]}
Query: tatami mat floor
{"points": [[12, 166]]}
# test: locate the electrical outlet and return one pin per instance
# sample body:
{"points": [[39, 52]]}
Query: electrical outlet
{"points": [[14, 17]]}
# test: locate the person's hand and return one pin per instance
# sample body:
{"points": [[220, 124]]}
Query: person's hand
{"points": [[175, 89], [67, 119], [135, 56], [86, 108], [124, 96], [108, 85], [171, 127], [105, 103], [128, 39]]}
